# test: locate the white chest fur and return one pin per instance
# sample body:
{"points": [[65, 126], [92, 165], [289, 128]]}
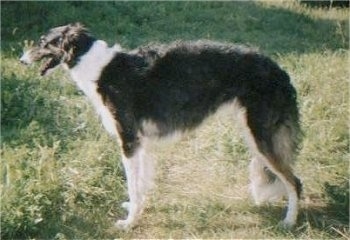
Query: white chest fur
{"points": [[86, 75]]}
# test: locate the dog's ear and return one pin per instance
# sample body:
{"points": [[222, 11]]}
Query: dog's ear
{"points": [[71, 35], [77, 25], [75, 40]]}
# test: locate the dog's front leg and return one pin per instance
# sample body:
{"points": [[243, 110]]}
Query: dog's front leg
{"points": [[139, 174]]}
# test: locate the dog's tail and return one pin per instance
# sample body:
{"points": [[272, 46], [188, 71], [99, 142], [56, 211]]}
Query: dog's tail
{"points": [[274, 134], [277, 135]]}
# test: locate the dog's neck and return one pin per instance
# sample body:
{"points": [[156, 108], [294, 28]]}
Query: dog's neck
{"points": [[91, 64], [78, 48]]}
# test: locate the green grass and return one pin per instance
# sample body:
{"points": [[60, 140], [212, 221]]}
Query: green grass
{"points": [[61, 175]]}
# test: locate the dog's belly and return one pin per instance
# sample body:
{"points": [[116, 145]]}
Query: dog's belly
{"points": [[152, 129]]}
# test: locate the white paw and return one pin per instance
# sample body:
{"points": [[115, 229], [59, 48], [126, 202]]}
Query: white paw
{"points": [[123, 225], [126, 205], [286, 224]]}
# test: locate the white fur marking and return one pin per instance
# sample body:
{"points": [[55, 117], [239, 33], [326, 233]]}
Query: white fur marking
{"points": [[139, 172], [150, 128], [92, 63], [261, 189], [25, 58], [138, 168], [86, 74], [150, 135]]}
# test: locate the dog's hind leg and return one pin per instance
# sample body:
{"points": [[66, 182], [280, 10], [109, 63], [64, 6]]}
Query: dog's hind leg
{"points": [[274, 146], [139, 173], [276, 153], [271, 178], [264, 185], [292, 185]]}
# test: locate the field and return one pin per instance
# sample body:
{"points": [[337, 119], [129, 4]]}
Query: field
{"points": [[61, 176]]}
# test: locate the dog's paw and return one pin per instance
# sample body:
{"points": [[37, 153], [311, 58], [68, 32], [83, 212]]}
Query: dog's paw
{"points": [[124, 225], [286, 225]]}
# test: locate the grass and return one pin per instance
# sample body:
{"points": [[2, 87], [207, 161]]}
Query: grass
{"points": [[61, 176]]}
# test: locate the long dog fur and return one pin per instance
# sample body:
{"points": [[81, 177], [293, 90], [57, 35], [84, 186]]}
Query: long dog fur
{"points": [[156, 90]]}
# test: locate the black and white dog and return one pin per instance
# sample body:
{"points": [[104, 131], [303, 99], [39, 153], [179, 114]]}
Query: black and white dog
{"points": [[158, 90]]}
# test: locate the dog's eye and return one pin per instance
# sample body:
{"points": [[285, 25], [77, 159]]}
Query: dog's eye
{"points": [[55, 41]]}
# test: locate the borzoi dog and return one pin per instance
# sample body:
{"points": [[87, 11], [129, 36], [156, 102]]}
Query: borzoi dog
{"points": [[157, 90]]}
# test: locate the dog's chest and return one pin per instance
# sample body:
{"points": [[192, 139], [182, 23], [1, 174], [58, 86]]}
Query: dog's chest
{"points": [[86, 75], [107, 119]]}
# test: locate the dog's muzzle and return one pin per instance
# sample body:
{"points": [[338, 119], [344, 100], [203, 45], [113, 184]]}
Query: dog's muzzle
{"points": [[26, 59]]}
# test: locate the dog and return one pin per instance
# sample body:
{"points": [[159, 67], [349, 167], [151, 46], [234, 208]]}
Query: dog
{"points": [[157, 90]]}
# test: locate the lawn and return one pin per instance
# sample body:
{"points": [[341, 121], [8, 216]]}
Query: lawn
{"points": [[61, 176]]}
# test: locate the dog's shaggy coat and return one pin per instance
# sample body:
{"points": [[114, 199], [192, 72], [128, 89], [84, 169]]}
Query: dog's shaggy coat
{"points": [[157, 90]]}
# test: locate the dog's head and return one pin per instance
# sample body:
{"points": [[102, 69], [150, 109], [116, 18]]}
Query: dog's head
{"points": [[63, 44]]}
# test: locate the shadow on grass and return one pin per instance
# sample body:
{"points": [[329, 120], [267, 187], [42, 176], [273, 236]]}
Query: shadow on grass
{"points": [[330, 216], [334, 215], [272, 29], [38, 112], [32, 114], [58, 221]]}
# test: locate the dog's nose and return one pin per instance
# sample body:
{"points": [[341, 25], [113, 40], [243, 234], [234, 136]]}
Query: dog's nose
{"points": [[23, 62], [26, 58]]}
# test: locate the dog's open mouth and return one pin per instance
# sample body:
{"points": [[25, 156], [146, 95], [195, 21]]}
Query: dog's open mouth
{"points": [[50, 63]]}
